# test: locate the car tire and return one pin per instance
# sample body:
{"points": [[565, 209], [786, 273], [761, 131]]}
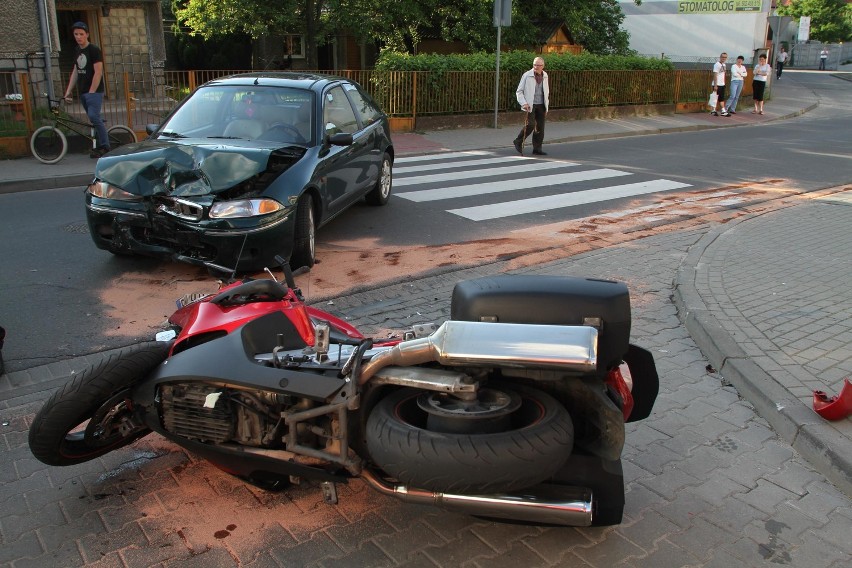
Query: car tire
{"points": [[380, 194], [523, 451], [304, 238]]}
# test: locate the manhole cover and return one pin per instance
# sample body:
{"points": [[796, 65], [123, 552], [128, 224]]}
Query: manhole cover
{"points": [[82, 228]]}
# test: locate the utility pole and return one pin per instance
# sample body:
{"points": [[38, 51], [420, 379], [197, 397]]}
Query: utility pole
{"points": [[502, 17]]}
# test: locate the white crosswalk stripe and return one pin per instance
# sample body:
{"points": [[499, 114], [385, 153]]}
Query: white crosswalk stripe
{"points": [[461, 164], [508, 185], [445, 156], [482, 173], [540, 174], [537, 204]]}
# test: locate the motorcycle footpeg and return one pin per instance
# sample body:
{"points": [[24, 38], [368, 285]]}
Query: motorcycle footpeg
{"points": [[329, 492]]}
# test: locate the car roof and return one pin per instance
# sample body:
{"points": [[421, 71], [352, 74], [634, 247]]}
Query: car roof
{"points": [[312, 81]]}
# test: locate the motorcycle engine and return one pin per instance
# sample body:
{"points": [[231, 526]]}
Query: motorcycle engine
{"points": [[214, 414]]}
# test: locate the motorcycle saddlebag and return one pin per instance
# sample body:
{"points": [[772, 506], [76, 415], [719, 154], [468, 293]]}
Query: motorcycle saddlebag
{"points": [[551, 300]]}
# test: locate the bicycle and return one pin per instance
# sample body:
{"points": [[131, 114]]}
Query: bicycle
{"points": [[49, 144]]}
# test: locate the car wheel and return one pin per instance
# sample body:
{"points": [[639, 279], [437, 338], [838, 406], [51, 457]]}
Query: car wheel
{"points": [[305, 235], [380, 194]]}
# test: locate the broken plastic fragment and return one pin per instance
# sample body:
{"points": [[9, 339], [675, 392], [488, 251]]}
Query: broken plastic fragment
{"points": [[211, 399], [836, 407], [166, 335]]}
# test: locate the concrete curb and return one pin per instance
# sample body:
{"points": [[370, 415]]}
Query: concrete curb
{"points": [[827, 451], [33, 184]]}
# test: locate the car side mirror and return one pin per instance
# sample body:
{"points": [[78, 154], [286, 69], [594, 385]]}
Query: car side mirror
{"points": [[151, 128], [340, 139]]}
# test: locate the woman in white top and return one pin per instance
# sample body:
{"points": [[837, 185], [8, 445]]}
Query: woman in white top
{"points": [[738, 75], [758, 83]]}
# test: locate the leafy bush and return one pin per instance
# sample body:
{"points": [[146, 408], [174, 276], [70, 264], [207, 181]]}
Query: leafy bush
{"points": [[517, 62]]}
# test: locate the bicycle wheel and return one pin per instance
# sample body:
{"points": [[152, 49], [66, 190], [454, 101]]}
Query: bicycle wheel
{"points": [[119, 135], [48, 145]]}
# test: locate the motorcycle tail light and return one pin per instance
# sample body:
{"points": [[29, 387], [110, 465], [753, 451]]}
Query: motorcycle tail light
{"points": [[621, 381]]}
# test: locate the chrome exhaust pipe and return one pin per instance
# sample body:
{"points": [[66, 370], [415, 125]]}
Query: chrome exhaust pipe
{"points": [[485, 344], [545, 504]]}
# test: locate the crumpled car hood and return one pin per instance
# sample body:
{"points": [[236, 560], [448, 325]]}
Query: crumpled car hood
{"points": [[182, 167]]}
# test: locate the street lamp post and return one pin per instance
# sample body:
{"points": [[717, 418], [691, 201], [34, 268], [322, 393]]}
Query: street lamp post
{"points": [[502, 17]]}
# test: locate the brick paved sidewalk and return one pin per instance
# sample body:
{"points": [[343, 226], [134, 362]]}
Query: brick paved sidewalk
{"points": [[709, 482], [769, 301]]}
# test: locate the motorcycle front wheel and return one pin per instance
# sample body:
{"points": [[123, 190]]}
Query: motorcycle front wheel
{"points": [[509, 438], [85, 418]]}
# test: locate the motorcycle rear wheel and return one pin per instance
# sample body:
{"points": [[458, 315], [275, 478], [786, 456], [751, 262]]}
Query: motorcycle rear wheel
{"points": [[535, 443], [83, 419]]}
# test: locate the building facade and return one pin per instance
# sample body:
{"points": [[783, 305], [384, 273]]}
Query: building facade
{"points": [[39, 41], [698, 28]]}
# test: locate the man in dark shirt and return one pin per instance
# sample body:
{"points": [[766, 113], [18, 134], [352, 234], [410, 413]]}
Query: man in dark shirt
{"points": [[88, 74]]}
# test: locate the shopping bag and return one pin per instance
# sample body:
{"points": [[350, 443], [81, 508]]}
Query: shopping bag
{"points": [[714, 98]]}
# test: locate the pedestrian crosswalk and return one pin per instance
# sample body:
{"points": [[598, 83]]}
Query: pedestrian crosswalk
{"points": [[452, 178]]}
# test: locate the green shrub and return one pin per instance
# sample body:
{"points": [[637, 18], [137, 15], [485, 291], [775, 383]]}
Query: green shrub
{"points": [[517, 62]]}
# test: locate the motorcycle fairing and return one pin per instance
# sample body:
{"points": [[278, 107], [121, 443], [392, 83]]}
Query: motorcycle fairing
{"points": [[204, 316], [229, 360]]}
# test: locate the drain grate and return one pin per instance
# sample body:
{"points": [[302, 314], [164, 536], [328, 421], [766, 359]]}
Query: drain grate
{"points": [[81, 228]]}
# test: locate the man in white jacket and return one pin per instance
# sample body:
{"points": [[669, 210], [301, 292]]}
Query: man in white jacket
{"points": [[534, 97]]}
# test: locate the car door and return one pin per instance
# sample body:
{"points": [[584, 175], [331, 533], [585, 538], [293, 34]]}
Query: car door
{"points": [[344, 165], [371, 135]]}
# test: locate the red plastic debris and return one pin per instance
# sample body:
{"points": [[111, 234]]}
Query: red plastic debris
{"points": [[837, 407]]}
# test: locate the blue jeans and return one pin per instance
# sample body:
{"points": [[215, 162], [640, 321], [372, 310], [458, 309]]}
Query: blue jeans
{"points": [[92, 103], [736, 89]]}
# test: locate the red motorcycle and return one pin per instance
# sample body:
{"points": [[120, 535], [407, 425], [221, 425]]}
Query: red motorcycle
{"points": [[514, 408]]}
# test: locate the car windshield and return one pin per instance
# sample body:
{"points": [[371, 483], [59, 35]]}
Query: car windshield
{"points": [[275, 114]]}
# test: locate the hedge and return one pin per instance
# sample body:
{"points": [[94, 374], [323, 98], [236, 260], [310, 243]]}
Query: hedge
{"points": [[517, 62]]}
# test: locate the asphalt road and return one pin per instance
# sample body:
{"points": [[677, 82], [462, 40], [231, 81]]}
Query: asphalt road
{"points": [[53, 280], [708, 481]]}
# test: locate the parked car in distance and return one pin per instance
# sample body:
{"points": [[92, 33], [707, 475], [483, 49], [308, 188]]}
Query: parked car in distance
{"points": [[247, 167]]}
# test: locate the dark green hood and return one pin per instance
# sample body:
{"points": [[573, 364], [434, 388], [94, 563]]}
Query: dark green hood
{"points": [[186, 167]]}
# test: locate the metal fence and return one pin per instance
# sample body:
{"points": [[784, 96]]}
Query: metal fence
{"points": [[402, 94], [807, 55]]}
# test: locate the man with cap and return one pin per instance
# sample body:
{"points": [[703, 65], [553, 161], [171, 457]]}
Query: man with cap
{"points": [[88, 74]]}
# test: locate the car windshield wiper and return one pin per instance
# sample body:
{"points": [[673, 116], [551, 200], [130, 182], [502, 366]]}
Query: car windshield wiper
{"points": [[169, 134], [226, 137]]}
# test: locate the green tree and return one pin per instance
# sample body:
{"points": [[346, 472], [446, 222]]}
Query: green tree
{"points": [[831, 20], [399, 25], [211, 18]]}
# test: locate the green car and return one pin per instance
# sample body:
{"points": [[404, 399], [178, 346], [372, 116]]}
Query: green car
{"points": [[244, 170]]}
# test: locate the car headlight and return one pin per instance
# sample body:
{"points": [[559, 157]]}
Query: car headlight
{"points": [[244, 208], [109, 191]]}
